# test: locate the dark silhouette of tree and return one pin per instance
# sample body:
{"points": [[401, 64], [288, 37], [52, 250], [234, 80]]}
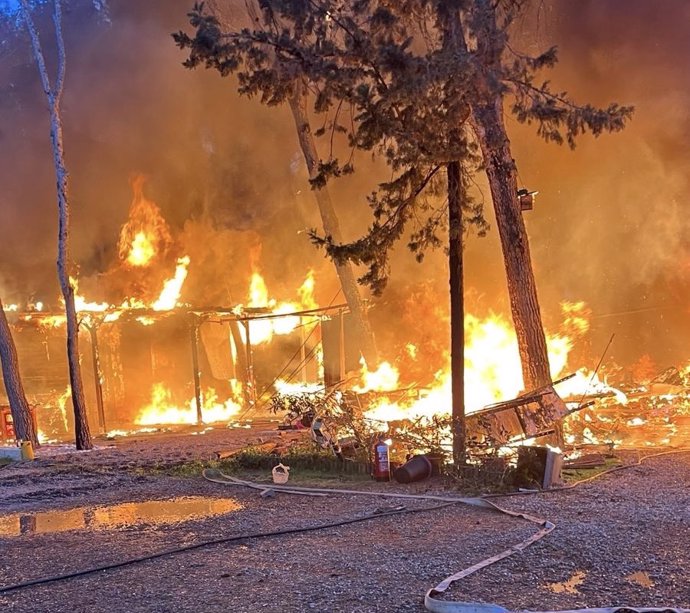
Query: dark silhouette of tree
{"points": [[425, 83], [288, 86], [19, 407], [54, 96]]}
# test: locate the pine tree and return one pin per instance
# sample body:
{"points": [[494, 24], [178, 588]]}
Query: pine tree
{"points": [[19, 407], [288, 86], [425, 83]]}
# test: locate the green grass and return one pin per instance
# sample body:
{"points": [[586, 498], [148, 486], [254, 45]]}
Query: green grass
{"points": [[573, 475], [307, 465]]}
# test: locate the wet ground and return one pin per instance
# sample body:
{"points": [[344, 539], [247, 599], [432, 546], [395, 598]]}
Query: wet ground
{"points": [[620, 540], [116, 516]]}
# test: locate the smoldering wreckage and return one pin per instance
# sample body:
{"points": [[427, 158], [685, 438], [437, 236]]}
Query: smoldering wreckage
{"points": [[294, 365]]}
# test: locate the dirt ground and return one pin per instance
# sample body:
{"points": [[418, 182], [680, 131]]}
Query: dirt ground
{"points": [[623, 539]]}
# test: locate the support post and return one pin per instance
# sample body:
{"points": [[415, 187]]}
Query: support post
{"points": [[97, 374], [195, 364], [251, 387], [303, 351], [342, 345]]}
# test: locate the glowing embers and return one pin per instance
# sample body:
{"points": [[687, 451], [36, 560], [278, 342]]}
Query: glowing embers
{"points": [[114, 517], [646, 420]]}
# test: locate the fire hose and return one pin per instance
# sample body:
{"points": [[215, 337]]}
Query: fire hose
{"points": [[431, 600], [220, 541]]}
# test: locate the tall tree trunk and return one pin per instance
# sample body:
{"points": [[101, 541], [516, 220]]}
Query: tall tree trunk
{"points": [[457, 312], [21, 414], [81, 424], [449, 16], [331, 226], [487, 121], [54, 95]]}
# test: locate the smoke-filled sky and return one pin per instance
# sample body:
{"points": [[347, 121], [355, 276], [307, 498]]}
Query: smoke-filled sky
{"points": [[609, 226]]}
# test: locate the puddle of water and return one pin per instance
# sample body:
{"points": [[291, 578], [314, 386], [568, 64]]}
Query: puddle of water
{"points": [[641, 578], [569, 586], [158, 512]]}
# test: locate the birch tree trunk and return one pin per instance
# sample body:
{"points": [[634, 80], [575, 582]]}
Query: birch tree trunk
{"points": [[54, 96], [21, 414], [331, 227]]}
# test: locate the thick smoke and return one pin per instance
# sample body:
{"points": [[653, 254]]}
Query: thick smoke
{"points": [[610, 225], [608, 228], [129, 108]]}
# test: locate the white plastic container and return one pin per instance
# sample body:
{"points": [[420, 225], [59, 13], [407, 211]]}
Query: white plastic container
{"points": [[280, 473], [12, 453]]}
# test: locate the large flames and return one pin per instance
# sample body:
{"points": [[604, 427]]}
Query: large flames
{"points": [[279, 318], [492, 365], [144, 248], [145, 235], [163, 410]]}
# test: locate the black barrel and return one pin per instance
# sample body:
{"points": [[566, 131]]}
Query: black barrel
{"points": [[417, 468]]}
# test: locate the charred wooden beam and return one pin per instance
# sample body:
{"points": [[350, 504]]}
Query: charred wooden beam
{"points": [[194, 330], [97, 373]]}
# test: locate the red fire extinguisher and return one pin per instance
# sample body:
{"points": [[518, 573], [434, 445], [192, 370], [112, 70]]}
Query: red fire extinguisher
{"points": [[381, 469]]}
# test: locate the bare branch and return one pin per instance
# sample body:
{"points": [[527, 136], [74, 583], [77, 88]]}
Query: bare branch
{"points": [[36, 47], [62, 56]]}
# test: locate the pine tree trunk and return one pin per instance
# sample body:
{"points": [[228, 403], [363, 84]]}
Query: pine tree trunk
{"points": [[21, 415], [457, 312], [331, 226], [487, 121]]}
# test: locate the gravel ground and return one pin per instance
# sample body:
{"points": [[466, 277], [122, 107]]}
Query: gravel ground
{"points": [[623, 539]]}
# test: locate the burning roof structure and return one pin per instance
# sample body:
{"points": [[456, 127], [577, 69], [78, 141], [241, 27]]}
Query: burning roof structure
{"points": [[156, 359], [145, 306]]}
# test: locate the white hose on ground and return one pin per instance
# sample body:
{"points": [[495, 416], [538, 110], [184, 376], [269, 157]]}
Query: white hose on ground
{"points": [[431, 602]]}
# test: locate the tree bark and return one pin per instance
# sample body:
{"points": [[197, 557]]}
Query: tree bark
{"points": [[54, 95], [82, 432], [487, 121], [331, 226], [21, 414], [457, 312]]}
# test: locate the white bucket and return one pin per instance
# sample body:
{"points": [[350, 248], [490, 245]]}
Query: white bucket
{"points": [[280, 473]]}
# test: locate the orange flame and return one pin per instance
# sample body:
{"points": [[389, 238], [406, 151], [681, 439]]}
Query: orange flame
{"points": [[173, 287], [263, 330], [145, 235], [492, 372], [163, 410]]}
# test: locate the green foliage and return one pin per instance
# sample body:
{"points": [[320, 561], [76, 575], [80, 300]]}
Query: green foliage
{"points": [[575, 475], [344, 415], [400, 80]]}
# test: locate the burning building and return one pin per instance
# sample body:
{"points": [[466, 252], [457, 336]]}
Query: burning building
{"points": [[188, 274]]}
